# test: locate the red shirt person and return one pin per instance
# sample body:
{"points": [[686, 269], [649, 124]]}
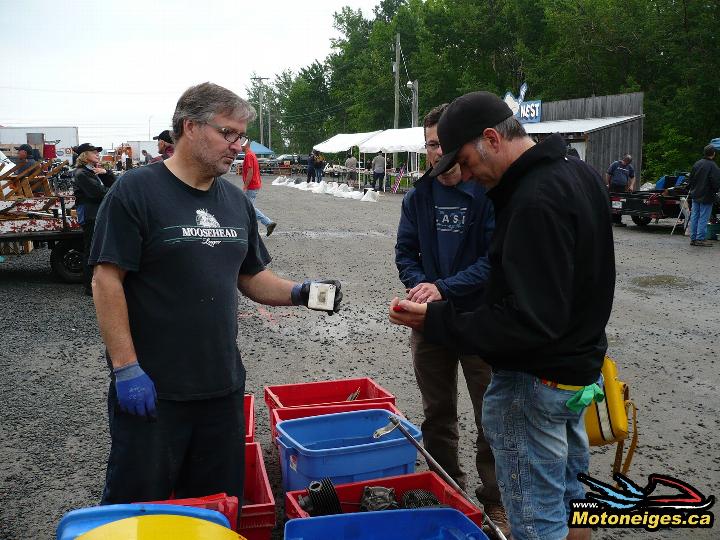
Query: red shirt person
{"points": [[252, 184]]}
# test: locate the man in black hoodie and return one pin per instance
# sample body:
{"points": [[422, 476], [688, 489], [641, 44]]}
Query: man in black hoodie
{"points": [[541, 324]]}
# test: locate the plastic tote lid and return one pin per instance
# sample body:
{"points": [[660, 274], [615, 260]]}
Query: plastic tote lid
{"points": [[160, 527]]}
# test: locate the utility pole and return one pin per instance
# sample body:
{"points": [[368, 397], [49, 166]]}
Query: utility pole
{"points": [[269, 129], [413, 85], [396, 68], [260, 114]]}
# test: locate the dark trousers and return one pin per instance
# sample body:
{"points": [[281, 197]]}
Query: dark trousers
{"points": [[88, 230], [379, 178], [310, 174], [195, 448], [436, 371]]}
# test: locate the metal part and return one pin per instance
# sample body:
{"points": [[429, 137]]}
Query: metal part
{"points": [[321, 499], [378, 498], [434, 465], [354, 395], [419, 498]]}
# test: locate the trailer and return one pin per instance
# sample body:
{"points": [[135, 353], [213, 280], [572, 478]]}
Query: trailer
{"points": [[30, 223], [64, 138]]}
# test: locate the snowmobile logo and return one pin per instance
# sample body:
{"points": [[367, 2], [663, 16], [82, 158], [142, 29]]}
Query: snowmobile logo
{"points": [[527, 112], [629, 505]]}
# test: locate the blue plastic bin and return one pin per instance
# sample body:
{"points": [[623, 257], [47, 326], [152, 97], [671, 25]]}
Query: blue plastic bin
{"points": [[78, 522], [340, 447], [420, 524]]}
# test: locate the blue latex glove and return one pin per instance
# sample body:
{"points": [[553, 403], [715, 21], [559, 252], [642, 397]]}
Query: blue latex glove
{"points": [[135, 391]]}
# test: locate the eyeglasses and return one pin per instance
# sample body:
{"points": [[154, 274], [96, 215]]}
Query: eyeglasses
{"points": [[432, 145], [230, 135]]}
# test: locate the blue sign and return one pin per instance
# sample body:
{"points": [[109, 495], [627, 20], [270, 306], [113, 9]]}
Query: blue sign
{"points": [[527, 112]]}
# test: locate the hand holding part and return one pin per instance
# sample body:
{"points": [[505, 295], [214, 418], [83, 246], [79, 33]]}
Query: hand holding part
{"points": [[408, 313], [135, 391], [300, 294]]}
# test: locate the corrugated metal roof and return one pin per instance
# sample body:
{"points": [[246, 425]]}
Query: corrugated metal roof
{"points": [[580, 125]]}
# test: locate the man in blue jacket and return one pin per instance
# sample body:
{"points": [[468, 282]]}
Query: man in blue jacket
{"points": [[441, 254]]}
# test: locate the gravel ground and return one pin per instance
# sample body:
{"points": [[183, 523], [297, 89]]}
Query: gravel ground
{"points": [[53, 380]]}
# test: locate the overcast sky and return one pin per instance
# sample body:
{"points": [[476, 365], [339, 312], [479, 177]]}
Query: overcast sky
{"points": [[113, 67]]}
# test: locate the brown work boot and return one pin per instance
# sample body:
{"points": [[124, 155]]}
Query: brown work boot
{"points": [[496, 513], [702, 243]]}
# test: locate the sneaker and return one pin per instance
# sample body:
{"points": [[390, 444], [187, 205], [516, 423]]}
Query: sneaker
{"points": [[270, 228], [496, 513], [702, 243]]}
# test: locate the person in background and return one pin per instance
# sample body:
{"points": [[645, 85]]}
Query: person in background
{"points": [[442, 254], [311, 167], [378, 169], [619, 178], [146, 157], [174, 243], [166, 146], [351, 164], [319, 166], [25, 159], [252, 183], [703, 186], [91, 184]]}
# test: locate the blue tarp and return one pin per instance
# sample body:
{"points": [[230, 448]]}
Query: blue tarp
{"points": [[260, 150]]}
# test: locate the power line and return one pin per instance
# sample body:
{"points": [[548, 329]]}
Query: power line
{"points": [[102, 92]]}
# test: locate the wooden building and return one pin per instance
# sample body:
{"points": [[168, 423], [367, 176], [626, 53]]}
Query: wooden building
{"points": [[602, 129]]}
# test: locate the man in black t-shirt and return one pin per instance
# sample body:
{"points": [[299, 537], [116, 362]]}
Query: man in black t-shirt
{"points": [[173, 244]]}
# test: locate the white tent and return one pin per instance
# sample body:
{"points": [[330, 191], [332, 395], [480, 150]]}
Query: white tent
{"points": [[396, 140], [342, 142]]}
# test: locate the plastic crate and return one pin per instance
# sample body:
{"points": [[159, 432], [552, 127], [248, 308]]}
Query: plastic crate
{"points": [[257, 518], [78, 522], [326, 393], [291, 413], [350, 494], [340, 447], [420, 524], [249, 410], [220, 502]]}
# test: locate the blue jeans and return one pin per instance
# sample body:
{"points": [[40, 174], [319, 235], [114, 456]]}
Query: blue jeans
{"points": [[699, 220], [262, 218], [540, 446], [318, 174]]}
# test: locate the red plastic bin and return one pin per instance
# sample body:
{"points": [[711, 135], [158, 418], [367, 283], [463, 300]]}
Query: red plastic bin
{"points": [[291, 413], [257, 518], [325, 393], [350, 494], [249, 410]]}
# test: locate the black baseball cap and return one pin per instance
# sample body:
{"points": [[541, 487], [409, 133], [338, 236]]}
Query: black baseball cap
{"points": [[465, 119], [164, 136], [86, 147], [25, 147]]}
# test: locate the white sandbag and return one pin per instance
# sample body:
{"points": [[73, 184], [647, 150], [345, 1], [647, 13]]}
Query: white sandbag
{"points": [[357, 195], [370, 196], [319, 188], [279, 181]]}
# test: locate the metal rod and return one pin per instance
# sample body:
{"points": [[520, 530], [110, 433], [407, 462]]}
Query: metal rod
{"points": [[445, 476]]}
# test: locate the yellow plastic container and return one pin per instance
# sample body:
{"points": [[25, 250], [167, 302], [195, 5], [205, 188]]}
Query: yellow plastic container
{"points": [[161, 527]]}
